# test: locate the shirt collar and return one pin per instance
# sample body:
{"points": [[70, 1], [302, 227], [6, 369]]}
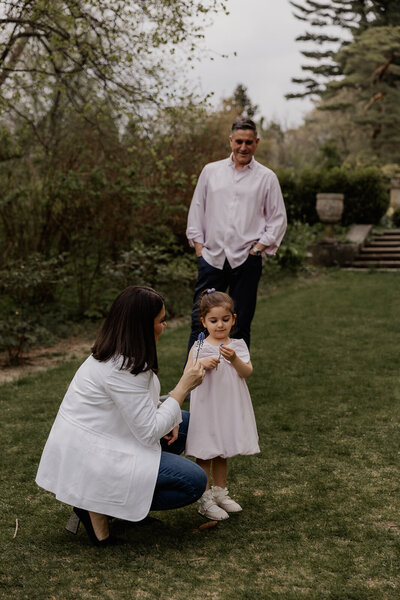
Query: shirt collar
{"points": [[249, 166]]}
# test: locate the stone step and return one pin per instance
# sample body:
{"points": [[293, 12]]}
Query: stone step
{"points": [[375, 264], [389, 245], [394, 234], [379, 243], [377, 257], [367, 269], [381, 249]]}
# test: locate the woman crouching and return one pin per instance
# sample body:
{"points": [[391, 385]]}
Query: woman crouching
{"points": [[103, 455]]}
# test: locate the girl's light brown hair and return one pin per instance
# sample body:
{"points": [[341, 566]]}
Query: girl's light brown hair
{"points": [[210, 299]]}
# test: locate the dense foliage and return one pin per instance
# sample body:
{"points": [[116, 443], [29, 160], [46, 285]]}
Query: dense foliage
{"points": [[334, 24], [99, 156], [94, 161], [66, 55], [105, 210], [353, 69], [370, 89], [365, 192]]}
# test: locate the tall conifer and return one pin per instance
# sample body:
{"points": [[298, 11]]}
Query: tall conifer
{"points": [[335, 24]]}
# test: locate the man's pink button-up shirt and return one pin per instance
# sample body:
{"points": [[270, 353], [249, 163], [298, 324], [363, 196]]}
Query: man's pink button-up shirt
{"points": [[232, 210]]}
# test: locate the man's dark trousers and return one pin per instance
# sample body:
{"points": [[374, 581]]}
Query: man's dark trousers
{"points": [[241, 283]]}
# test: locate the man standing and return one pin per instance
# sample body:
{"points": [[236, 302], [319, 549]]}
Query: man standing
{"points": [[237, 214]]}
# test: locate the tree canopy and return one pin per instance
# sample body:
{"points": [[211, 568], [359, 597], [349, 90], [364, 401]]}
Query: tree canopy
{"points": [[371, 67], [353, 70], [65, 53], [334, 24]]}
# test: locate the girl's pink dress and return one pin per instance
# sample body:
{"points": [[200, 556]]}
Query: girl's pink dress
{"points": [[222, 419]]}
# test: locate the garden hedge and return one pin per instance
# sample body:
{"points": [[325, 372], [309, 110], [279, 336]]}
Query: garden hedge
{"points": [[366, 193]]}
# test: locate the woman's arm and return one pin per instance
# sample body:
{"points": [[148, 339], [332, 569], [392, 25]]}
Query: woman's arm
{"points": [[133, 396], [243, 369]]}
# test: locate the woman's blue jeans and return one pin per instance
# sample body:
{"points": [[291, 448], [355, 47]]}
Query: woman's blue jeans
{"points": [[180, 481]]}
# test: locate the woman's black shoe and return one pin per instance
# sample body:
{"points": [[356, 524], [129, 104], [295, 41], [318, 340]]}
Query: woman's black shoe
{"points": [[79, 514]]}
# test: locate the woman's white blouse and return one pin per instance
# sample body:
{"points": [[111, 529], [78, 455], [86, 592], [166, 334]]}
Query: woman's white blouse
{"points": [[103, 451]]}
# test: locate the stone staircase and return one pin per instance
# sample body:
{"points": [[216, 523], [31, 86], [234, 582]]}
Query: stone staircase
{"points": [[381, 251]]}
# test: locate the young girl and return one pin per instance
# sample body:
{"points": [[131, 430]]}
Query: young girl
{"points": [[222, 422]]}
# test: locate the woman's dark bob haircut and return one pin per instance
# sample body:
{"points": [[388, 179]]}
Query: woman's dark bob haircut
{"points": [[128, 330]]}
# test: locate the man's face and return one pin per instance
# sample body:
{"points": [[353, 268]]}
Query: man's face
{"points": [[243, 145]]}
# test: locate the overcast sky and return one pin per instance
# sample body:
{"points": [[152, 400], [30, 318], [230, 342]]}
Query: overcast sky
{"points": [[262, 32]]}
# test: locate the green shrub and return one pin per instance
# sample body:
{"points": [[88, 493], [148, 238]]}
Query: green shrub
{"points": [[287, 180], [366, 196], [27, 289], [18, 331], [32, 282], [292, 256], [396, 218], [168, 270]]}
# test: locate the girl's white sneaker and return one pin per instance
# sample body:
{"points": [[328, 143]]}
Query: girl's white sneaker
{"points": [[221, 497], [209, 508]]}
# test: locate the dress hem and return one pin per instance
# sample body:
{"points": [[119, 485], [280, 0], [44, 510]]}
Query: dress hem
{"points": [[252, 453]]}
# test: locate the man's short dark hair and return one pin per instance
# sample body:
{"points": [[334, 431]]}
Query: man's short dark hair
{"points": [[241, 123]]}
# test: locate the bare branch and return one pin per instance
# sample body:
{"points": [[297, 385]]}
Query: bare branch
{"points": [[15, 52]]}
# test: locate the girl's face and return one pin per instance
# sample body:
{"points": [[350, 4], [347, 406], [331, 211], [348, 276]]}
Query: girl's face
{"points": [[219, 322], [159, 324]]}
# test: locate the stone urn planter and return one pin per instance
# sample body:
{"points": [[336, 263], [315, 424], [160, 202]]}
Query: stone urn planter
{"points": [[329, 208]]}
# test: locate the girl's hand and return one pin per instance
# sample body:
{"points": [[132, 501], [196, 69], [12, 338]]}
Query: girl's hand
{"points": [[243, 369], [172, 436], [210, 362], [227, 353]]}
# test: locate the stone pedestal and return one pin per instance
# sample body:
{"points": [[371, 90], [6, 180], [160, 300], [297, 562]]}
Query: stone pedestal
{"points": [[394, 194], [334, 253]]}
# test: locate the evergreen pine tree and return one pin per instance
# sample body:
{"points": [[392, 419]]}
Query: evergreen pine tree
{"points": [[335, 24]]}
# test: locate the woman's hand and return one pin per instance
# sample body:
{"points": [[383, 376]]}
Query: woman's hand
{"points": [[227, 353], [210, 362], [172, 436], [191, 378]]}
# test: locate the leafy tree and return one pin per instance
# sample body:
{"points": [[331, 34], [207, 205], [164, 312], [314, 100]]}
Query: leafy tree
{"points": [[60, 53], [75, 77], [99, 193]]}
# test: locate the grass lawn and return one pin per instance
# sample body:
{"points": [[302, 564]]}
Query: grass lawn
{"points": [[321, 502]]}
